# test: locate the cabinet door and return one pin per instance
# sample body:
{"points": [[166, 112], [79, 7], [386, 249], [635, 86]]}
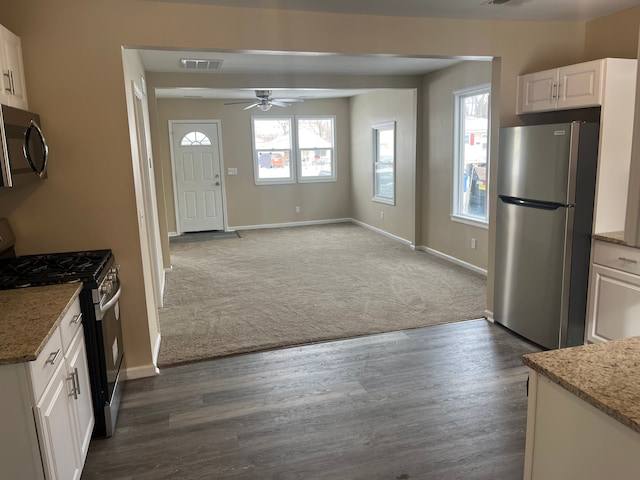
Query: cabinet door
{"points": [[614, 305], [13, 70], [580, 85], [55, 419], [82, 405], [537, 92]]}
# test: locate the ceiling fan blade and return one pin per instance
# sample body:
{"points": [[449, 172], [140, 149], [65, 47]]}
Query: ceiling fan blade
{"points": [[288, 100], [254, 104], [278, 103], [240, 102]]}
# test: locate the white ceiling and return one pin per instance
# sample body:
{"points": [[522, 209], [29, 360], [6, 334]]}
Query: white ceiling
{"points": [[288, 63], [534, 10], [264, 63]]}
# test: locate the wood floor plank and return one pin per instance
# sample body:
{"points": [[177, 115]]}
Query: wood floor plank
{"points": [[437, 403]]}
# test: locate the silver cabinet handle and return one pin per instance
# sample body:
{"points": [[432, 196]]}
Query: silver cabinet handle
{"points": [[8, 75], [75, 390], [628, 260], [76, 319], [77, 382], [53, 357], [554, 91]]}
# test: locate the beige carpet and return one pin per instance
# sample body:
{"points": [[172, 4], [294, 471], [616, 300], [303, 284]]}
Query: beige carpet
{"points": [[291, 286]]}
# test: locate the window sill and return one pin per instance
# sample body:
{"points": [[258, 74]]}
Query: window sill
{"points": [[470, 221], [317, 179], [387, 201]]}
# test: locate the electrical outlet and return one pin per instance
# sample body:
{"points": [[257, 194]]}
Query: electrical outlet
{"points": [[297, 209], [381, 215], [473, 243]]}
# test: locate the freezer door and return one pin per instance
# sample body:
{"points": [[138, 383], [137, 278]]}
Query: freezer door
{"points": [[535, 162], [531, 277]]}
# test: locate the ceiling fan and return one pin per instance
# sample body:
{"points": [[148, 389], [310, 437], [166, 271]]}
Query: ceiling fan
{"points": [[264, 101]]}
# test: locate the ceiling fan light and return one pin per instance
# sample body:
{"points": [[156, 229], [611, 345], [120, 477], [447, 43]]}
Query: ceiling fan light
{"points": [[264, 107]]}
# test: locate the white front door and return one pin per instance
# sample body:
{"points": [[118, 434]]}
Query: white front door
{"points": [[198, 176]]}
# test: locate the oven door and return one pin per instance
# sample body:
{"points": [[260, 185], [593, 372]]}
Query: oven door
{"points": [[109, 328]]}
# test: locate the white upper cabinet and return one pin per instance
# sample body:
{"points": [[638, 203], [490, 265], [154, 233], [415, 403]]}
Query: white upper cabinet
{"points": [[574, 86], [14, 91]]}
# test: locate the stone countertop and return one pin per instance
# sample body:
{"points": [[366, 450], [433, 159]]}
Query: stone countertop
{"points": [[612, 237], [606, 375], [28, 317]]}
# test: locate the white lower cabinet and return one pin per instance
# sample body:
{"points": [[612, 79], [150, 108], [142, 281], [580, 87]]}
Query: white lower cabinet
{"points": [[569, 439], [56, 430], [47, 415], [614, 293]]}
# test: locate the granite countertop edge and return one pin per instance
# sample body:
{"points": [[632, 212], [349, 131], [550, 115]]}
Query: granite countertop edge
{"points": [[570, 381], [612, 237], [49, 321]]}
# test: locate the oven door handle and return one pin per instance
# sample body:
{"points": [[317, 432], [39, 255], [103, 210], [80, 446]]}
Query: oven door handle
{"points": [[106, 306]]}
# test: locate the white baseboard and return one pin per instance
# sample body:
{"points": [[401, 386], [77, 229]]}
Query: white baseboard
{"points": [[288, 224], [131, 373], [451, 259], [156, 349], [173, 234], [141, 372], [488, 314], [382, 232]]}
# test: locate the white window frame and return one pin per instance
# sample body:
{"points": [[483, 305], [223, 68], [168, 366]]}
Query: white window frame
{"points": [[375, 129], [315, 179], [292, 157], [458, 148]]}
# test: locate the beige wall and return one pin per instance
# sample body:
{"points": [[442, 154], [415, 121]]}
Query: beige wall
{"points": [[439, 232], [372, 108], [74, 76], [613, 36], [249, 204]]}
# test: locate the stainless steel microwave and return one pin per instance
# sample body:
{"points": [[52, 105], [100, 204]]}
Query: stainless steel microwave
{"points": [[23, 149]]}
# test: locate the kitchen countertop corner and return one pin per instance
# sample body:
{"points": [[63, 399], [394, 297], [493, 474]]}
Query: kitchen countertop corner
{"points": [[28, 318], [605, 375]]}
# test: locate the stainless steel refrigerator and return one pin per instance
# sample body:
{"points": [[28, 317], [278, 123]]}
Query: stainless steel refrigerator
{"points": [[544, 216]]}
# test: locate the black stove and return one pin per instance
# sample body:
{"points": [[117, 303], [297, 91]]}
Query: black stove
{"points": [[52, 268]]}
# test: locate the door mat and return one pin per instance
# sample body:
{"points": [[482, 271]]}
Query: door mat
{"points": [[203, 236]]}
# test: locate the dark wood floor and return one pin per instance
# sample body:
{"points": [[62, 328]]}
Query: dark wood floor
{"points": [[444, 402]]}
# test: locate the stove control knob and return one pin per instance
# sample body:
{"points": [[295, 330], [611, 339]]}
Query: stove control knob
{"points": [[112, 277], [106, 288]]}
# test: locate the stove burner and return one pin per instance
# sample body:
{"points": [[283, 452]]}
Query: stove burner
{"points": [[51, 268]]}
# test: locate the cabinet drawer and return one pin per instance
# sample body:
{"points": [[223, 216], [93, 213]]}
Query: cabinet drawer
{"points": [[43, 367], [615, 305], [618, 257], [70, 324]]}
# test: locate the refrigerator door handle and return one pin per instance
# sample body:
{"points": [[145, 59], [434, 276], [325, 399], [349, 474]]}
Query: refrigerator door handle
{"points": [[523, 202]]}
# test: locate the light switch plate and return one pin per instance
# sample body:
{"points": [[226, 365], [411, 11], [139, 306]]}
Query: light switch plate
{"points": [[232, 171]]}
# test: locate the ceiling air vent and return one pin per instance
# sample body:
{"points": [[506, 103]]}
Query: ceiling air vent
{"points": [[199, 64]]}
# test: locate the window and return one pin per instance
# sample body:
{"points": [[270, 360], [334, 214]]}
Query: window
{"points": [[272, 148], [195, 139], [384, 162], [471, 160], [284, 151], [316, 151]]}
